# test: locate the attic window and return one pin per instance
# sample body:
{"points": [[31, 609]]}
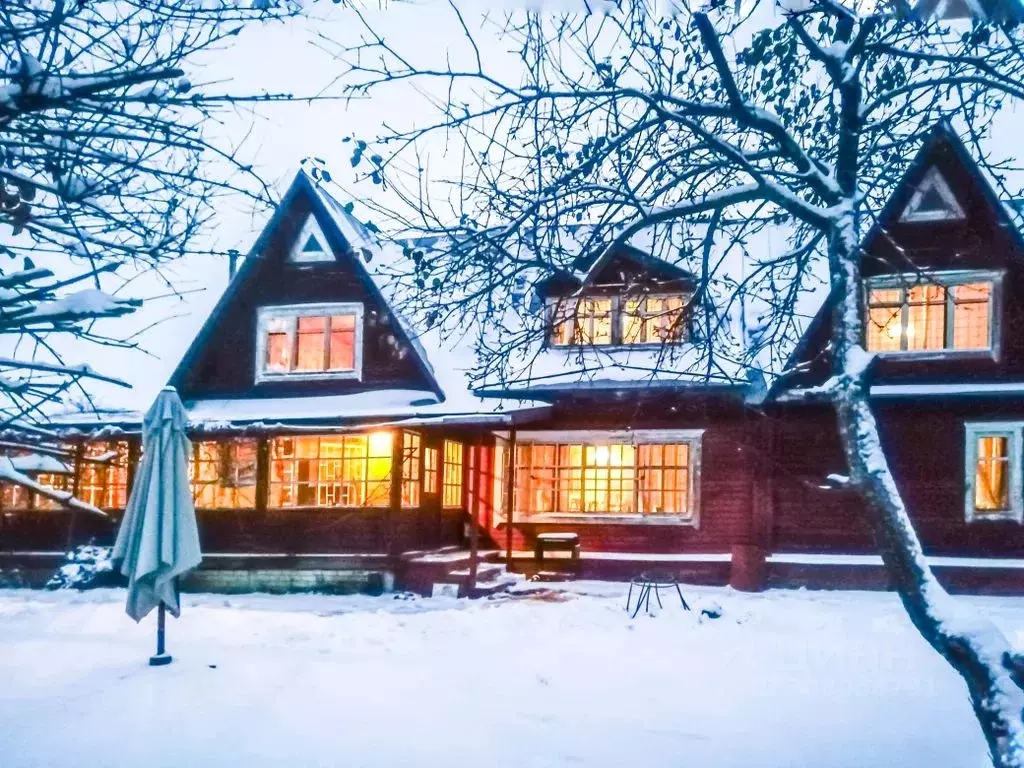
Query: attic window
{"points": [[933, 201], [309, 341], [310, 245], [619, 320], [944, 311]]}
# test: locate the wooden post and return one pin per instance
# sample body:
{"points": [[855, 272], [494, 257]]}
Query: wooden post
{"points": [[262, 474], [510, 487], [391, 544], [76, 477], [473, 502]]}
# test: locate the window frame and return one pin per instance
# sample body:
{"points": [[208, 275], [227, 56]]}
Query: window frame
{"points": [[947, 279], [311, 228], [694, 439], [228, 459], [458, 480], [559, 307], [1014, 432], [294, 312]]}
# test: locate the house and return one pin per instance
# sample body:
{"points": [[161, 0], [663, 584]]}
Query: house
{"points": [[338, 439]]}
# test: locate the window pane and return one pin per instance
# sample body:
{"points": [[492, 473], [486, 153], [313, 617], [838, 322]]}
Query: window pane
{"points": [[885, 297], [343, 343], [926, 321], [451, 493], [992, 474], [410, 469], [972, 316], [279, 357], [310, 344], [883, 329], [330, 471]]}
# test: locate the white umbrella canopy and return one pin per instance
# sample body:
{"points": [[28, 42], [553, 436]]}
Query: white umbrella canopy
{"points": [[158, 540]]}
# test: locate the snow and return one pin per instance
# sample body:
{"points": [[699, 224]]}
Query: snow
{"points": [[939, 390], [800, 558], [535, 681]]}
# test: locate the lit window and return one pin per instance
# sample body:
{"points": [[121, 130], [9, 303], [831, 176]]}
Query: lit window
{"points": [[410, 469], [58, 482], [949, 313], [501, 474], [223, 474], [653, 320], [309, 341], [430, 457], [616, 320], [606, 477], [331, 471], [994, 485], [103, 478], [451, 491]]}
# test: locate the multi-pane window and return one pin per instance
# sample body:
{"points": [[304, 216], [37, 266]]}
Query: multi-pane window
{"points": [[430, 473], [223, 474], [605, 476], [618, 320], [351, 470], [451, 490], [410, 469], [58, 482], [103, 478], [501, 458], [309, 341], [949, 313], [995, 490], [653, 319]]}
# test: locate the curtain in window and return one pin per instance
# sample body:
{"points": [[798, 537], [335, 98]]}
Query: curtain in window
{"points": [[991, 479]]}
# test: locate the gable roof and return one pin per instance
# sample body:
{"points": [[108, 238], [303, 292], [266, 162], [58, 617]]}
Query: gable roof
{"points": [[347, 236]]}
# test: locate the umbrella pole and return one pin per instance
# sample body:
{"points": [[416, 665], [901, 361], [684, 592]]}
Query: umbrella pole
{"points": [[161, 657]]}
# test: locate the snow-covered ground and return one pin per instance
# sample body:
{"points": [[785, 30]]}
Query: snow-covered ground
{"points": [[781, 679]]}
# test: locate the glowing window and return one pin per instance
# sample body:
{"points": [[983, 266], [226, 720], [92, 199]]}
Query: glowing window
{"points": [[653, 319], [950, 313], [103, 475], [583, 321], [451, 490], [223, 474], [309, 341], [430, 474], [606, 477], [410, 469], [993, 471], [351, 470]]}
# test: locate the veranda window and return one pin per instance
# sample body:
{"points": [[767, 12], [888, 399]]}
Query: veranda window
{"points": [[584, 474], [430, 472], [310, 341], [994, 475], [331, 471], [410, 469], [451, 491], [103, 479], [224, 474], [955, 312]]}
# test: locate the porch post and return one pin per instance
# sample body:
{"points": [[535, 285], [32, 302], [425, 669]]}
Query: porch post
{"points": [[262, 474], [510, 487], [391, 544], [76, 479]]}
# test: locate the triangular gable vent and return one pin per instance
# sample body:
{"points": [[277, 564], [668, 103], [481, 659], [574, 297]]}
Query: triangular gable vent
{"points": [[311, 245], [933, 201]]}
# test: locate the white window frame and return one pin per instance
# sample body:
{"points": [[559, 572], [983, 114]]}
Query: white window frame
{"points": [[310, 229], [567, 307], [295, 311], [1014, 431], [947, 279], [693, 437], [933, 178]]}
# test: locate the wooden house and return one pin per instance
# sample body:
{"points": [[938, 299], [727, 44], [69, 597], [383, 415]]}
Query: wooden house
{"points": [[337, 440]]}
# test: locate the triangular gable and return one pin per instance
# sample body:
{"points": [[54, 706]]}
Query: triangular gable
{"points": [[320, 221], [606, 268], [311, 244], [933, 200]]}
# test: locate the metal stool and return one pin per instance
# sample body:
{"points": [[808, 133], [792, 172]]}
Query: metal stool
{"points": [[647, 583]]}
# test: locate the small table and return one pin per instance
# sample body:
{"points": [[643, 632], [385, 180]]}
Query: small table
{"points": [[647, 583], [556, 542]]}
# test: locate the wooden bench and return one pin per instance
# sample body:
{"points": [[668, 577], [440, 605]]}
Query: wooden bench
{"points": [[556, 542]]}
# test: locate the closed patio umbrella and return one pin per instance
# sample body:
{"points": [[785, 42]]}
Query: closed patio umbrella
{"points": [[158, 540]]}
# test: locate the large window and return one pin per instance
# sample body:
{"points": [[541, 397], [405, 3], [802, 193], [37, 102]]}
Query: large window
{"points": [[309, 341], [103, 479], [224, 474], [618, 320], [331, 471], [430, 471], [451, 491], [642, 473], [995, 490], [952, 312]]}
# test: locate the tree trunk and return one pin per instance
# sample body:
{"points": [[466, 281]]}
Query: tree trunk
{"points": [[971, 644]]}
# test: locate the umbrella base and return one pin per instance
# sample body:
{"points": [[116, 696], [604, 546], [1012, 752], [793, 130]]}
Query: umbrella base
{"points": [[160, 660]]}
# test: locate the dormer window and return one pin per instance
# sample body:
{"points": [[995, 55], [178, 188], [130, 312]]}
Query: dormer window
{"points": [[940, 312], [309, 341], [618, 320]]}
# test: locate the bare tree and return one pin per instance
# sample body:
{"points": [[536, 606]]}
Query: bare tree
{"points": [[708, 128], [106, 162]]}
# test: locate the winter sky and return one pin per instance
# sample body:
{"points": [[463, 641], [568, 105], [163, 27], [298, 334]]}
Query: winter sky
{"points": [[297, 57]]}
